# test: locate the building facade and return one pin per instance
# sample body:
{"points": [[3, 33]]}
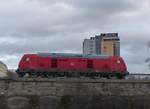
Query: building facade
{"points": [[110, 44], [89, 46], [106, 43]]}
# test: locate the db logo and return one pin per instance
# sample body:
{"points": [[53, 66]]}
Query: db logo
{"points": [[72, 64]]}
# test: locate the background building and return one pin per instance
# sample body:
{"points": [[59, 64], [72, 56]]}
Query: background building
{"points": [[98, 41], [106, 43], [110, 44], [107, 48], [89, 46]]}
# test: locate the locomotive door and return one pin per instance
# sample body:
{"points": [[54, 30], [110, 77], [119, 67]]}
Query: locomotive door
{"points": [[90, 64], [54, 63]]}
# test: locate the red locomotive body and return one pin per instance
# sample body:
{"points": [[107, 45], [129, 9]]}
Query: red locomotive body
{"points": [[58, 64]]}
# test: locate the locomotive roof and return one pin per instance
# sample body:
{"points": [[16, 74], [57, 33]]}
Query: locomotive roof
{"points": [[72, 55]]}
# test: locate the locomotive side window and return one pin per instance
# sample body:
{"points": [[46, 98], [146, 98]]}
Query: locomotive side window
{"points": [[90, 64], [54, 63]]}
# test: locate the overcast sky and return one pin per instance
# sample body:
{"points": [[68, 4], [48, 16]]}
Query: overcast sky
{"points": [[31, 26]]}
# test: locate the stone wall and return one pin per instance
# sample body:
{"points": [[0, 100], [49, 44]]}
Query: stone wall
{"points": [[74, 94]]}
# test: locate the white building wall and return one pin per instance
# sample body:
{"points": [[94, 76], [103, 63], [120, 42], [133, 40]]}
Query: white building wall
{"points": [[89, 46]]}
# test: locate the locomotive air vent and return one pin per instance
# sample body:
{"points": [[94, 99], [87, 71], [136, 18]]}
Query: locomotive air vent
{"points": [[41, 65], [106, 66]]}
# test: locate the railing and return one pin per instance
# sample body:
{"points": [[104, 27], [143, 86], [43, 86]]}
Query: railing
{"points": [[139, 76]]}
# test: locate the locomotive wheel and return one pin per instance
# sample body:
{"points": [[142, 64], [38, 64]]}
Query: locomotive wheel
{"points": [[119, 76], [89, 74]]}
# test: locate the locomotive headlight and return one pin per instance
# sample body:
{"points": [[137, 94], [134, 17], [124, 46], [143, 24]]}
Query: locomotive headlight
{"points": [[27, 59], [118, 61]]}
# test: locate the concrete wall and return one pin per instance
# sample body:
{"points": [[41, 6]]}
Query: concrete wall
{"points": [[74, 94]]}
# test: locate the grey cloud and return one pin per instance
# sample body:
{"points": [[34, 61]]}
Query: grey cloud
{"points": [[35, 19], [47, 44], [109, 6]]}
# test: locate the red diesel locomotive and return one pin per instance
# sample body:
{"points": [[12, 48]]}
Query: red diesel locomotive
{"points": [[71, 65]]}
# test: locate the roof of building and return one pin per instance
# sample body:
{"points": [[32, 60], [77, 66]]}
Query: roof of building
{"points": [[109, 34]]}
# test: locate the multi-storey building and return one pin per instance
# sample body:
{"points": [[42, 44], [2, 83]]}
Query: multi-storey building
{"points": [[106, 43], [89, 46], [110, 44]]}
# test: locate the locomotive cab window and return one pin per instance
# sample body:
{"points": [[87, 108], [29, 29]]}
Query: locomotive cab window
{"points": [[54, 63]]}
